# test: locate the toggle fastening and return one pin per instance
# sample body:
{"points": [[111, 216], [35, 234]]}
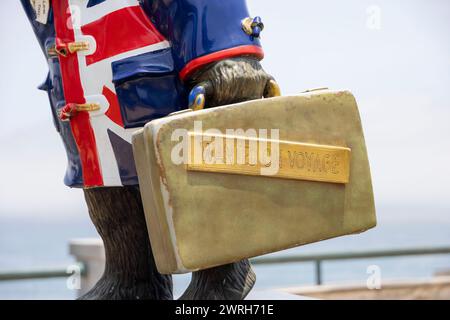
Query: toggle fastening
{"points": [[71, 109], [253, 26], [64, 49]]}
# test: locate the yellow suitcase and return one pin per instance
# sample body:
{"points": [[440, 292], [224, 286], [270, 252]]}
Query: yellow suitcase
{"points": [[213, 195]]}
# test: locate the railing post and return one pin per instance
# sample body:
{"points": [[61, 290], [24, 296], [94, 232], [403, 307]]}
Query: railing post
{"points": [[91, 253], [318, 264]]}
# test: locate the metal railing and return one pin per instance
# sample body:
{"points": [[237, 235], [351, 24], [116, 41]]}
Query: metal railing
{"points": [[317, 259], [40, 273]]}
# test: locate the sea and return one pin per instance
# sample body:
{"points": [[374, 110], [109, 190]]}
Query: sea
{"points": [[28, 243]]}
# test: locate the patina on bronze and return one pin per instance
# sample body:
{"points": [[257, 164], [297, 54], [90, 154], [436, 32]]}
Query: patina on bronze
{"points": [[206, 218]]}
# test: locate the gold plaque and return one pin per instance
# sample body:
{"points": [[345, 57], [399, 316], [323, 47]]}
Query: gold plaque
{"points": [[266, 157]]}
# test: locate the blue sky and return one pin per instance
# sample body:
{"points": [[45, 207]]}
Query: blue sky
{"points": [[399, 73]]}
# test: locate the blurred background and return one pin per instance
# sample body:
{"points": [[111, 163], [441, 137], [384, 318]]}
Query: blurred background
{"points": [[393, 55]]}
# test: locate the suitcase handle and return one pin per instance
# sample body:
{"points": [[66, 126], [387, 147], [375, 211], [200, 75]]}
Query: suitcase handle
{"points": [[197, 96]]}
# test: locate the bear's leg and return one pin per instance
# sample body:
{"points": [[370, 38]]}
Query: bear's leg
{"points": [[229, 282], [130, 271]]}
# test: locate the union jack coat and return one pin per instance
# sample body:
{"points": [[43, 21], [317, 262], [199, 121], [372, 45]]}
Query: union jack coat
{"points": [[115, 65]]}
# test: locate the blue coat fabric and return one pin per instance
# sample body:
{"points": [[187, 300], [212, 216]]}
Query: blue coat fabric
{"points": [[151, 85]]}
